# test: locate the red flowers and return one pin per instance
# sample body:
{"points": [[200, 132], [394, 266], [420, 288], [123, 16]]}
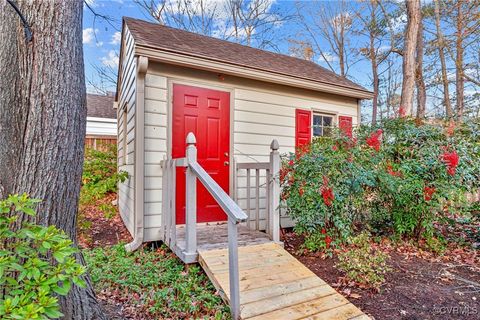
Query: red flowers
{"points": [[328, 240], [334, 148], [402, 112], [393, 172], [327, 193], [428, 193], [451, 159], [374, 140]]}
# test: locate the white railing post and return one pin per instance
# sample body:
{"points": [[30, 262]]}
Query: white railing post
{"points": [[233, 269], [274, 196], [191, 198]]}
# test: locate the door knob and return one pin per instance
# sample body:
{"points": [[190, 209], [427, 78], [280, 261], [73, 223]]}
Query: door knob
{"points": [[226, 154], [226, 163]]}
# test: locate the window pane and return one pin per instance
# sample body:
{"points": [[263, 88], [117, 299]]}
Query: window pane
{"points": [[317, 131], [317, 120], [327, 131], [327, 121]]}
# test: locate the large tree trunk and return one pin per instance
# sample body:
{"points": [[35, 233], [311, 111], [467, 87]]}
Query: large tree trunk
{"points": [[459, 80], [420, 83], [411, 35], [42, 120], [441, 54]]}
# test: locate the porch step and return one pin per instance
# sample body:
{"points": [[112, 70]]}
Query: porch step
{"points": [[274, 285]]}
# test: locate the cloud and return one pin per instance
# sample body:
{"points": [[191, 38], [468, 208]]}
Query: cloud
{"points": [[111, 60], [327, 57], [116, 38], [88, 35]]}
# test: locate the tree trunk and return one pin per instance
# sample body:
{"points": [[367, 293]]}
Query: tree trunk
{"points": [[411, 35], [459, 81], [373, 59], [420, 83], [441, 54], [42, 120]]}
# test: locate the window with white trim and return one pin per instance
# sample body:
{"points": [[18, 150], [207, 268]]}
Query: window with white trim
{"points": [[322, 124]]}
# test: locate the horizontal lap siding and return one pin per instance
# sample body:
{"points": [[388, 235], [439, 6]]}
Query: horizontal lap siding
{"points": [[126, 194], [155, 151], [260, 117]]}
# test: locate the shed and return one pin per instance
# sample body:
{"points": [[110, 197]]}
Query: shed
{"points": [[235, 99], [101, 120]]}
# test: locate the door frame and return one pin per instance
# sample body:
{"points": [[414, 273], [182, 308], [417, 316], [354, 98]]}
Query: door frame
{"points": [[199, 84]]}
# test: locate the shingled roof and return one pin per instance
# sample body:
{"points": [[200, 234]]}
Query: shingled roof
{"points": [[101, 106], [153, 35]]}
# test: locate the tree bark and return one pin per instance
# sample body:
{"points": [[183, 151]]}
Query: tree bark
{"points": [[420, 83], [42, 120], [441, 54], [411, 35], [459, 80]]}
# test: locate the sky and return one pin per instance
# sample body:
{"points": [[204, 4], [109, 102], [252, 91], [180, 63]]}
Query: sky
{"points": [[101, 39]]}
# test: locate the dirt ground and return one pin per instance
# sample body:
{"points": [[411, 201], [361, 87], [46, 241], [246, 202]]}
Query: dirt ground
{"points": [[420, 286]]}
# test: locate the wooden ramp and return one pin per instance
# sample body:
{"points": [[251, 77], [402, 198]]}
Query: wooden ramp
{"points": [[274, 285]]}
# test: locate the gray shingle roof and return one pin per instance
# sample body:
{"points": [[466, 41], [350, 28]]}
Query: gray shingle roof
{"points": [[179, 41], [101, 106]]}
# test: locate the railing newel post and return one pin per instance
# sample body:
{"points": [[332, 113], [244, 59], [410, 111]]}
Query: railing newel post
{"points": [[191, 197], [234, 277], [274, 213]]}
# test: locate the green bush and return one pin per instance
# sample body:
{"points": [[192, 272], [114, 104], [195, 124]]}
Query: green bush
{"points": [[29, 278], [399, 177], [362, 264], [100, 175], [155, 282]]}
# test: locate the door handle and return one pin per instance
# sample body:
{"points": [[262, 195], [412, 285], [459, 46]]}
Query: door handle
{"points": [[226, 163]]}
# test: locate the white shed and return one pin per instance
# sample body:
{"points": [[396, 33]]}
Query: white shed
{"points": [[234, 98]]}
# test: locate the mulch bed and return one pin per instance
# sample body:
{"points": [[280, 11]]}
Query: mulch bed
{"points": [[421, 285], [99, 229]]}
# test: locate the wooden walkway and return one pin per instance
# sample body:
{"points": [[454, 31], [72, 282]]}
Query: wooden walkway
{"points": [[274, 285]]}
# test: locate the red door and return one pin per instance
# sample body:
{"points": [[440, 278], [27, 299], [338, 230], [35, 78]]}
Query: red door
{"points": [[206, 113]]}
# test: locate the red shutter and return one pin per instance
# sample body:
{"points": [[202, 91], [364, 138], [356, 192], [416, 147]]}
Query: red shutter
{"points": [[345, 125], [303, 123]]}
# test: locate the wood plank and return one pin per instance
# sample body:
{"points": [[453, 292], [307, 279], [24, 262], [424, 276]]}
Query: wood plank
{"points": [[286, 300], [301, 310], [347, 311]]}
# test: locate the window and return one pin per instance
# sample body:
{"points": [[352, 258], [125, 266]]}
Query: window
{"points": [[322, 125]]}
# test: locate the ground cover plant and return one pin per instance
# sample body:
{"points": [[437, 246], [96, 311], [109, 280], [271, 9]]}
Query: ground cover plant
{"points": [[36, 264], [153, 284]]}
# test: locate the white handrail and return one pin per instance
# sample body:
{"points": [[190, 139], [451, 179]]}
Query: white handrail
{"points": [[223, 199]]}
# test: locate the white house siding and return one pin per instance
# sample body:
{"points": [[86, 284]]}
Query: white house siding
{"points": [[101, 126], [155, 151], [261, 112], [126, 156]]}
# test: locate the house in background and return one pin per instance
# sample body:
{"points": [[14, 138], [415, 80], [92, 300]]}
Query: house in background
{"points": [[101, 120], [235, 99]]}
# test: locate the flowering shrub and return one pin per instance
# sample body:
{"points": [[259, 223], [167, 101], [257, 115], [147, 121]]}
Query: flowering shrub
{"points": [[398, 178], [30, 279]]}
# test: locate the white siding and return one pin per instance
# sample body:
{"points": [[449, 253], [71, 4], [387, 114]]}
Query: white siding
{"points": [[126, 133], [101, 126], [155, 151], [261, 112]]}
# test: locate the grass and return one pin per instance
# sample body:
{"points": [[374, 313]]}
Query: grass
{"points": [[154, 283]]}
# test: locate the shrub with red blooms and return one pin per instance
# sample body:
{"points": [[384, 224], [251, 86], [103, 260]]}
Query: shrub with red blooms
{"points": [[451, 159], [428, 192], [402, 188], [374, 140]]}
